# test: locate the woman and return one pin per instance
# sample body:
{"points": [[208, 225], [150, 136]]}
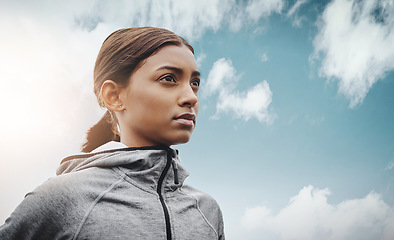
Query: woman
{"points": [[128, 183]]}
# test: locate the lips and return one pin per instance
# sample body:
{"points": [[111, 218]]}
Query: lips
{"points": [[188, 119]]}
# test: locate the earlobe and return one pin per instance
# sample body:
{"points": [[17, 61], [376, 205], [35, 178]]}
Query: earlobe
{"points": [[110, 93]]}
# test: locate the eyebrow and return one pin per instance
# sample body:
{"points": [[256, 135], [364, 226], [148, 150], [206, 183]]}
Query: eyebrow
{"points": [[178, 70]]}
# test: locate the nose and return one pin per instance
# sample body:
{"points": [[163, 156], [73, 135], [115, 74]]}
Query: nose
{"points": [[188, 97]]}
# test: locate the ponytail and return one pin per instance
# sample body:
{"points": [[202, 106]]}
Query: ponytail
{"points": [[102, 132]]}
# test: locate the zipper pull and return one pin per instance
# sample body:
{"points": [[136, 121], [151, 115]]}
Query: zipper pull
{"points": [[175, 168]]}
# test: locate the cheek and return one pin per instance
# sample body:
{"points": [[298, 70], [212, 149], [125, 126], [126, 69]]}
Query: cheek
{"points": [[150, 107]]}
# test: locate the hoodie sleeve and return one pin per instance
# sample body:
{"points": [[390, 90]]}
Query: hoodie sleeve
{"points": [[209, 208], [221, 226], [30, 220], [41, 215]]}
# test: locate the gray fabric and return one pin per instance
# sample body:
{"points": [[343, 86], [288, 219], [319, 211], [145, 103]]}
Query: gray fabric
{"points": [[113, 195]]}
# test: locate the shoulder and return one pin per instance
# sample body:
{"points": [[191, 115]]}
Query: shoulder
{"points": [[208, 207], [73, 190], [58, 195], [44, 212], [203, 198], [91, 177], [57, 205]]}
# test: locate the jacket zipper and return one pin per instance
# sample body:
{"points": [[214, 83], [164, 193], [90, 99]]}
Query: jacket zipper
{"points": [[159, 188], [175, 168]]}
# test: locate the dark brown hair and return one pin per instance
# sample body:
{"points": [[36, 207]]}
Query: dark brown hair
{"points": [[120, 55]]}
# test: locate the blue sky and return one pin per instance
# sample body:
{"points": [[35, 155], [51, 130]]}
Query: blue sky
{"points": [[295, 135]]}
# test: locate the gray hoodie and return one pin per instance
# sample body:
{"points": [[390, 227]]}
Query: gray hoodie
{"points": [[128, 193]]}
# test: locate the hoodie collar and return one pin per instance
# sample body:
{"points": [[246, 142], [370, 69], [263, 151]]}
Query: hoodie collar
{"points": [[143, 166], [109, 146]]}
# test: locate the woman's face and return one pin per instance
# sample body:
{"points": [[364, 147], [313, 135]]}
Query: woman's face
{"points": [[160, 101]]}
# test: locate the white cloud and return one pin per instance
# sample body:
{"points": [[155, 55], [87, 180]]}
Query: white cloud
{"points": [[314, 120], [292, 13], [295, 7], [200, 58], [355, 41], [264, 58], [252, 11], [222, 77], [245, 105], [253, 103], [187, 18], [309, 216], [262, 8], [390, 166]]}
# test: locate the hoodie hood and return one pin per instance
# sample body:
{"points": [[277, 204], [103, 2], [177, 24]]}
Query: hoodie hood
{"points": [[143, 164]]}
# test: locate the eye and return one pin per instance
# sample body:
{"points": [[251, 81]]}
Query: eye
{"points": [[195, 83], [168, 79]]}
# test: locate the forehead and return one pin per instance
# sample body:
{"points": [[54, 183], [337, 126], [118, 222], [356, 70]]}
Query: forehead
{"points": [[171, 55]]}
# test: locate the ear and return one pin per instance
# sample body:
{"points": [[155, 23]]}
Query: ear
{"points": [[110, 93]]}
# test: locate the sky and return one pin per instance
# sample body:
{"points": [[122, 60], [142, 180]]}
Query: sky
{"points": [[295, 134]]}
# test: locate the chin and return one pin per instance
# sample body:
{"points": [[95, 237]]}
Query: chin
{"points": [[180, 139]]}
